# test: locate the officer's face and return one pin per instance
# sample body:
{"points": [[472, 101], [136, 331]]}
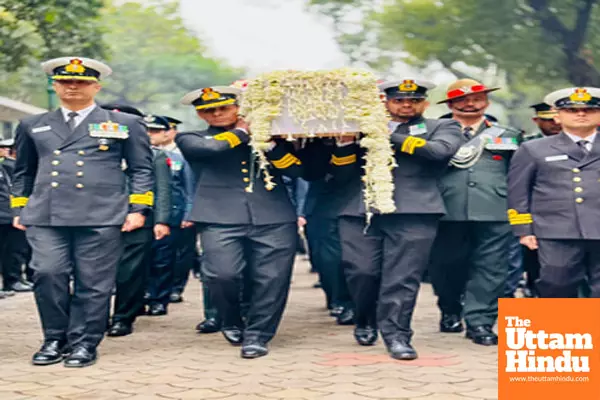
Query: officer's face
{"points": [[158, 137], [220, 116], [548, 127], [76, 91], [406, 108], [579, 118], [171, 133], [470, 106], [4, 152]]}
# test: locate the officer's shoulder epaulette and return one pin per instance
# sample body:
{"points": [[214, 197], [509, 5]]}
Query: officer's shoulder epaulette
{"points": [[32, 119], [509, 130], [124, 117]]}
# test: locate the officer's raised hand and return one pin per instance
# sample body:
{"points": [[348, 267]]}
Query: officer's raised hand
{"points": [[242, 124], [133, 221]]}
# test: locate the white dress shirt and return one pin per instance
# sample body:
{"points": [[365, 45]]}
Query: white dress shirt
{"points": [[172, 147], [590, 139], [81, 114]]}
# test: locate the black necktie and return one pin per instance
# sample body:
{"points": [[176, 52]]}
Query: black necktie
{"points": [[71, 120], [467, 132], [583, 145]]}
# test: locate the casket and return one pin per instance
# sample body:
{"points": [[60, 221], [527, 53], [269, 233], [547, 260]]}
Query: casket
{"points": [[341, 102], [298, 104]]}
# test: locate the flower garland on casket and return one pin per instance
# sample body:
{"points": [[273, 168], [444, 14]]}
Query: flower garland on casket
{"points": [[325, 95]]}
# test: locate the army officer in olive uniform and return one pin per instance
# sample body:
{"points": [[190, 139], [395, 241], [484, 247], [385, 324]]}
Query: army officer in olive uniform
{"points": [[70, 195], [242, 224], [470, 255], [554, 196], [384, 266]]}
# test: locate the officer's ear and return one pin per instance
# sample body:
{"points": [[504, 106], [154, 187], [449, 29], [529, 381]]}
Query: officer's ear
{"points": [[557, 119], [201, 114], [426, 105]]}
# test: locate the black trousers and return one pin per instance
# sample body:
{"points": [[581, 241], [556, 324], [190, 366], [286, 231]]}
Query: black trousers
{"points": [[470, 260], [90, 255], [326, 257], [132, 274], [565, 266], [265, 252], [185, 252], [10, 265], [384, 268], [162, 268], [531, 265]]}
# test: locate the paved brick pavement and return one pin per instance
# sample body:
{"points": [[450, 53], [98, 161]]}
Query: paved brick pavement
{"points": [[311, 358]]}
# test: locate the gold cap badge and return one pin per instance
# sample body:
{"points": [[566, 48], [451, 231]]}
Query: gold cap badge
{"points": [[408, 86], [581, 94], [76, 66], [210, 94]]}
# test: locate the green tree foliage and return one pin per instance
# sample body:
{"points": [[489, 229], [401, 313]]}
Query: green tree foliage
{"points": [[528, 47], [543, 42], [155, 58], [42, 29]]}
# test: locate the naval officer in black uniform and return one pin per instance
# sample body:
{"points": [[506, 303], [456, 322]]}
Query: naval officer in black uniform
{"points": [[70, 194], [554, 196], [384, 266], [242, 224]]}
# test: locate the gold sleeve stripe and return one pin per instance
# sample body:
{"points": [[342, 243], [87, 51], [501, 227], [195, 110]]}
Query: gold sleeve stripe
{"points": [[146, 199], [515, 218], [286, 161], [230, 138], [340, 161], [411, 143], [18, 202], [406, 144]]}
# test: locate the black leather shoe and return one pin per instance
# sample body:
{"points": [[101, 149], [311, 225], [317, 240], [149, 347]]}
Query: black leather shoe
{"points": [[120, 328], [157, 309], [483, 335], [336, 311], [51, 352], [254, 349], [209, 325], [366, 335], [346, 317], [233, 335], [451, 323], [175, 298], [81, 357], [402, 350]]}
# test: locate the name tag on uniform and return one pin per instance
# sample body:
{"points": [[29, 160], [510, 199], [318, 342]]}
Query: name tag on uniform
{"points": [[109, 130], [561, 157], [41, 129], [417, 129]]}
